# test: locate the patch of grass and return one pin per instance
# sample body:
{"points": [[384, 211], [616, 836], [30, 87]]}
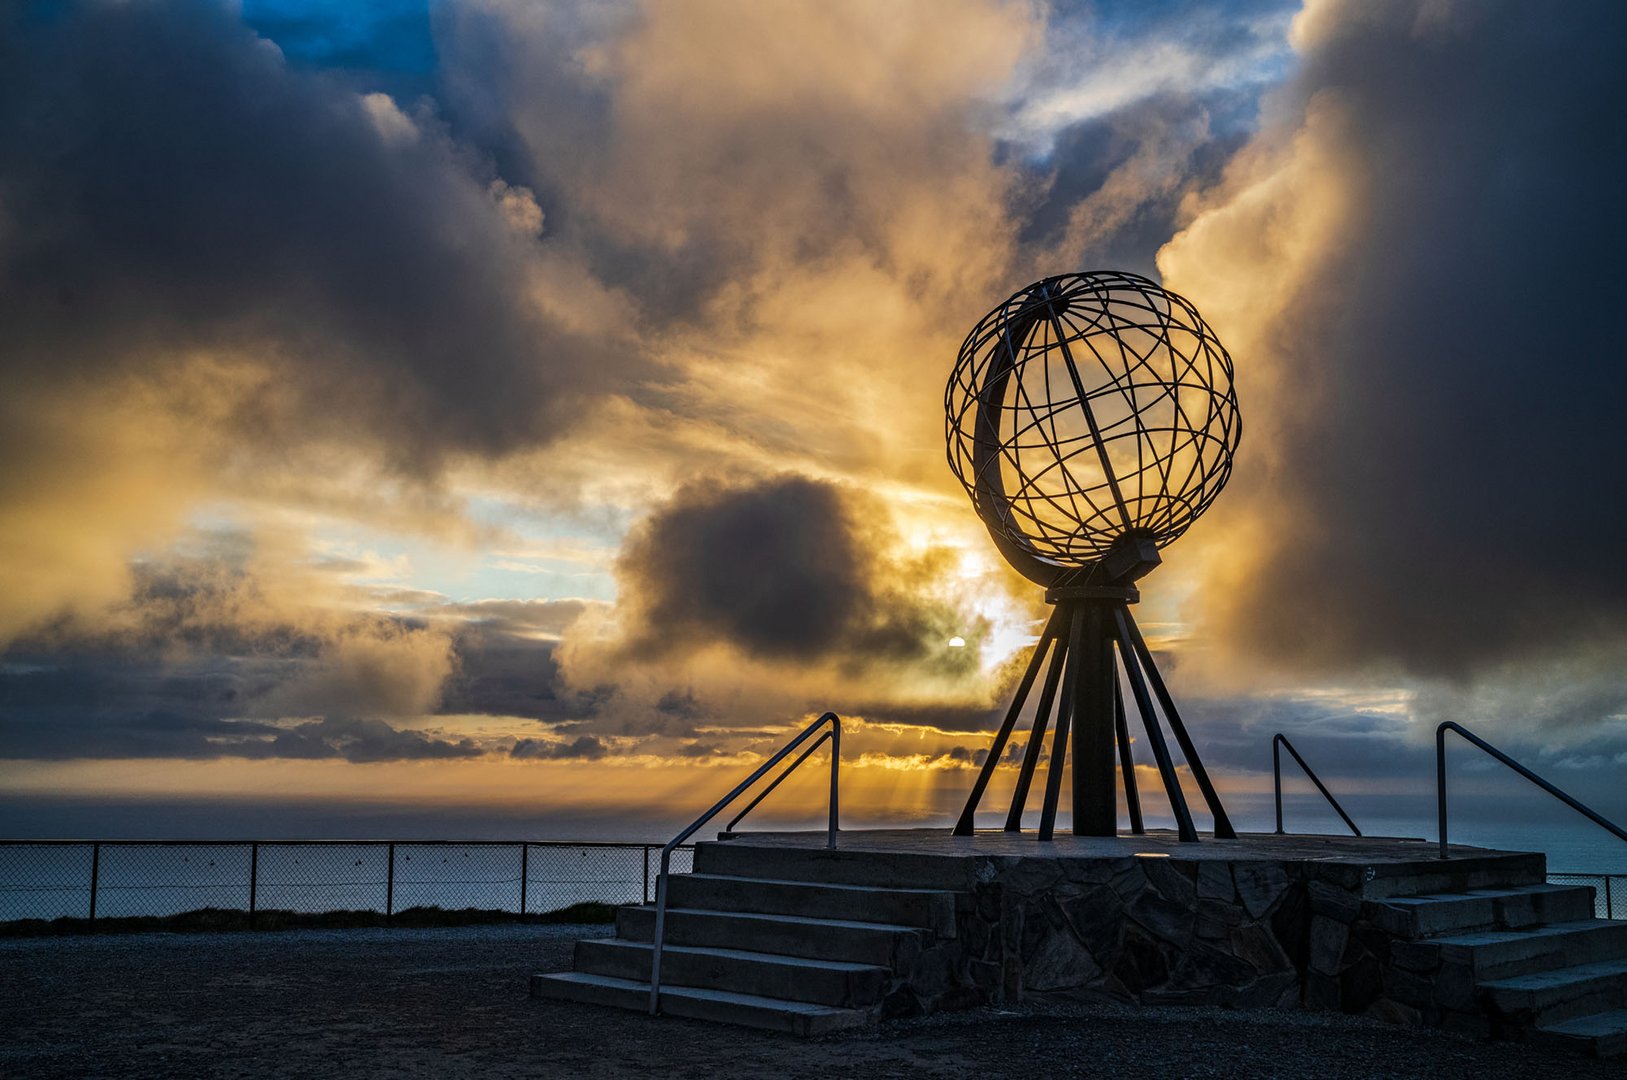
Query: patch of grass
{"points": [[211, 920], [590, 912]]}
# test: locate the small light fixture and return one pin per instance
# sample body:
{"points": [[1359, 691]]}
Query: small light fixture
{"points": [[957, 642], [1152, 854]]}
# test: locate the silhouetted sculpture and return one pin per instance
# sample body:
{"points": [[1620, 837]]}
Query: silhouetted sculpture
{"points": [[1092, 419]]}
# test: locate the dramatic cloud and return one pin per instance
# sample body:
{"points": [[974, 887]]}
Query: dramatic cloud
{"points": [[779, 571], [768, 599], [583, 747], [213, 651], [1406, 262], [213, 266]]}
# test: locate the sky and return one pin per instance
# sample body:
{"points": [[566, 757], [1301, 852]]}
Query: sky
{"points": [[481, 417]]}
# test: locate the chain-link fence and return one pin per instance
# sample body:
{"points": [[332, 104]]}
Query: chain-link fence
{"points": [[44, 881], [81, 880], [1609, 892]]}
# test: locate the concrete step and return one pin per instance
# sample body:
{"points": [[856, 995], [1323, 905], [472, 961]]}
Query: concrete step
{"points": [[887, 945], [1437, 914], [791, 978], [931, 909], [891, 870], [1501, 954], [1602, 1034], [1544, 998], [750, 1010], [1428, 875]]}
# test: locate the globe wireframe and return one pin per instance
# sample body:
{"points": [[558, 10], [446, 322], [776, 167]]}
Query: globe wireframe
{"points": [[1086, 409]]}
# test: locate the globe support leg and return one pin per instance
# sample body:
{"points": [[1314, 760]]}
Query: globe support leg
{"points": [[1064, 718], [1036, 738], [963, 827], [1155, 737], [1223, 824], [1132, 798]]}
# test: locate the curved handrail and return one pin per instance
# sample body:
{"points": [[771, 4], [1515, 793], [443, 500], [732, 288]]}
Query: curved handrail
{"points": [[1440, 781], [769, 790], [1279, 739], [835, 736]]}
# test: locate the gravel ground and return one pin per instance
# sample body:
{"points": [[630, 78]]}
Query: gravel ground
{"points": [[452, 1003]]}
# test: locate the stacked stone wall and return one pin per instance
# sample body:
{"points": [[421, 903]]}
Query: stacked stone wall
{"points": [[1250, 934]]}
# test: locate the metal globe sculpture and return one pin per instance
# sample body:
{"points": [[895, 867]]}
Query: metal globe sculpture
{"points": [[1091, 418], [1087, 409]]}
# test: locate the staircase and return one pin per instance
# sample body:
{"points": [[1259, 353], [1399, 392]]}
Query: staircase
{"points": [[796, 952], [1526, 963], [793, 937]]}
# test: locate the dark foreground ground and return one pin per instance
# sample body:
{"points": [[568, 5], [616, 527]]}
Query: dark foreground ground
{"points": [[452, 1003]]}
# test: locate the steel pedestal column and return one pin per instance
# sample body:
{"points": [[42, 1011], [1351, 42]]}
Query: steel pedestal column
{"points": [[1095, 809]]}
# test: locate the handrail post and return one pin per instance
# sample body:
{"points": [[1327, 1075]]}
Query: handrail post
{"points": [[1440, 785], [254, 881], [389, 886], [1276, 775], [835, 761], [659, 937], [95, 875], [525, 873], [646, 874]]}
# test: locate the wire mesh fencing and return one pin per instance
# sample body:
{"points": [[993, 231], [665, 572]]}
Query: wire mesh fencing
{"points": [[1609, 892], [94, 881]]}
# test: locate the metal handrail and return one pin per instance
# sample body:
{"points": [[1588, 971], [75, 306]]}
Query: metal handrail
{"points": [[1440, 781], [1279, 739], [835, 735]]}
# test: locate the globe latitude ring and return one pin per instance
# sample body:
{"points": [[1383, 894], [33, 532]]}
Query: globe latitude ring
{"points": [[1092, 419]]}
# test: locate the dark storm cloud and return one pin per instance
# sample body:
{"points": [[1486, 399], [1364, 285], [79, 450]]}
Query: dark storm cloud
{"points": [[581, 748], [1116, 183], [1115, 177], [507, 674], [775, 569], [211, 657], [75, 708], [1448, 467], [169, 185], [944, 717], [198, 664], [360, 739], [780, 570]]}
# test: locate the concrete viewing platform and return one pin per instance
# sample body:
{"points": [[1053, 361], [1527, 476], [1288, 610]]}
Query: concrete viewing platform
{"points": [[1389, 857], [1067, 845], [776, 930]]}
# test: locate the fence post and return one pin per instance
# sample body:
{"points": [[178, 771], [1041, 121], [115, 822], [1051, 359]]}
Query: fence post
{"points": [[646, 873], [389, 886], [95, 875], [254, 881], [525, 876]]}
